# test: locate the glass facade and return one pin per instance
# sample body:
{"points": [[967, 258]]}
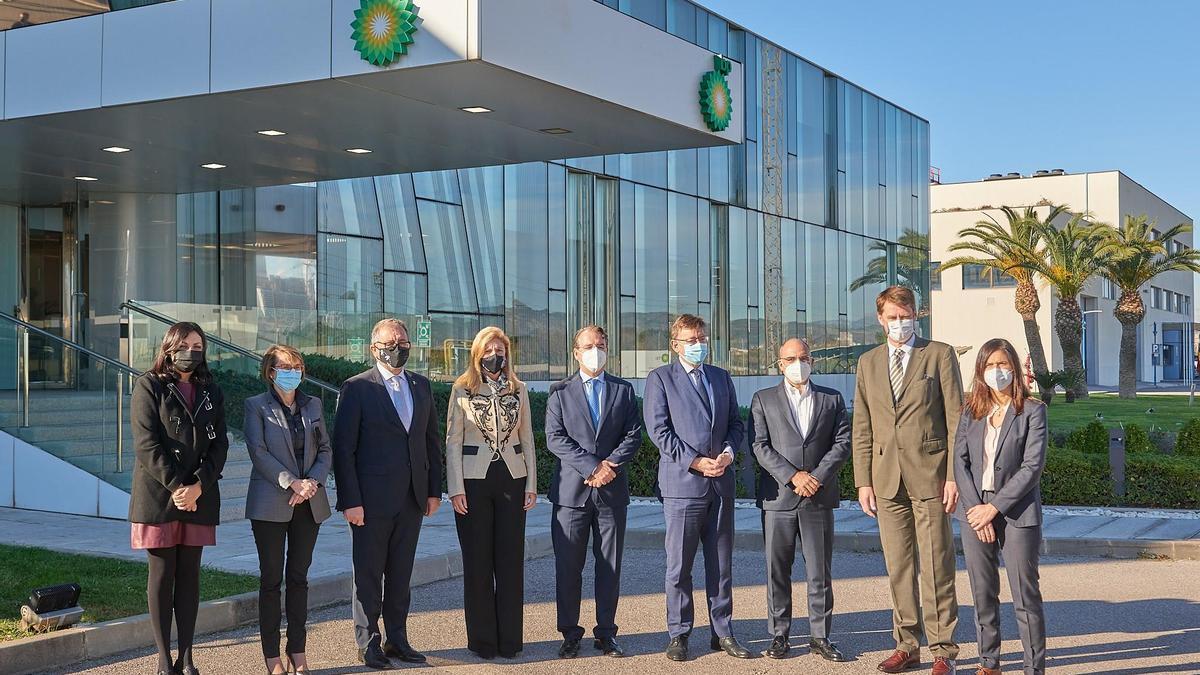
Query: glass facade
{"points": [[791, 233]]}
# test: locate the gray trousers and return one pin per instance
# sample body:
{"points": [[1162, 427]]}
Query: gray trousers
{"points": [[814, 528], [1020, 546]]}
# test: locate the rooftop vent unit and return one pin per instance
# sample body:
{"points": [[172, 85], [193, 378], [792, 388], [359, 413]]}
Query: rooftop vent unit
{"points": [[1058, 172], [1041, 172], [1013, 174], [1004, 176]]}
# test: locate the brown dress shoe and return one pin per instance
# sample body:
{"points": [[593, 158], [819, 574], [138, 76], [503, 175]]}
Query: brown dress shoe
{"points": [[900, 661], [943, 666], [987, 671]]}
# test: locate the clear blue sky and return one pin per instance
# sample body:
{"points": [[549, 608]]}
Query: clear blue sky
{"points": [[1019, 85]]}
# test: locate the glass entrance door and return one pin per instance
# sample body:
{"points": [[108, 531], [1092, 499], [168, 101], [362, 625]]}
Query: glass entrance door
{"points": [[592, 232], [51, 301]]}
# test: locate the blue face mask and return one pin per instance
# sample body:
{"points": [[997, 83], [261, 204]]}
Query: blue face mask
{"points": [[288, 380], [696, 353]]}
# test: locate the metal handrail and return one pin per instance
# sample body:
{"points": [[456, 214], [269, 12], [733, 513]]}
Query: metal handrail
{"points": [[128, 370], [134, 306]]}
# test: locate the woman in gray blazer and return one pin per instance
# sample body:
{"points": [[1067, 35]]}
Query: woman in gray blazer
{"points": [[999, 454], [286, 502]]}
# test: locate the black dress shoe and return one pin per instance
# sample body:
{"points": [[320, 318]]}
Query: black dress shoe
{"points": [[188, 670], [487, 656], [827, 650], [569, 648], [730, 646], [608, 646], [779, 647], [403, 652], [677, 648], [511, 655], [373, 657]]}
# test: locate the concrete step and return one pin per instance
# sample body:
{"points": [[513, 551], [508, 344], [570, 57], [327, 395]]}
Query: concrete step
{"points": [[85, 431], [62, 401]]}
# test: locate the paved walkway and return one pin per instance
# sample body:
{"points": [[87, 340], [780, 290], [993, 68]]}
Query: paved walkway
{"points": [[1068, 530]]}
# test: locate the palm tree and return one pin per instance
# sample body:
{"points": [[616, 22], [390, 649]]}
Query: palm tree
{"points": [[912, 267], [1073, 254], [1013, 248], [1137, 258]]}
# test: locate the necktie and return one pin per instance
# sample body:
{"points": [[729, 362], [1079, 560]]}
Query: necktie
{"points": [[698, 385], [897, 374], [401, 402], [593, 391]]}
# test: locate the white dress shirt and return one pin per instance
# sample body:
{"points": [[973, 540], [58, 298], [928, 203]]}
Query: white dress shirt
{"points": [[907, 348], [397, 385], [712, 403], [801, 399], [991, 438]]}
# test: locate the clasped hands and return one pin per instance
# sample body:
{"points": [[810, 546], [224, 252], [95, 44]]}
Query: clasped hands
{"points": [[712, 468], [804, 484], [302, 491], [185, 497], [604, 474], [980, 518]]}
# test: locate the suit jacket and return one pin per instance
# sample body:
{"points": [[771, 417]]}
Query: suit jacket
{"points": [[782, 450], [908, 438], [579, 446], [375, 459], [1020, 459], [682, 431], [269, 441], [176, 446], [478, 425]]}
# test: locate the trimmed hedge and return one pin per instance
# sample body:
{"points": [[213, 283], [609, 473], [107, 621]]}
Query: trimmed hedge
{"points": [[1187, 443], [1137, 441], [1162, 482], [1077, 478], [1092, 437]]}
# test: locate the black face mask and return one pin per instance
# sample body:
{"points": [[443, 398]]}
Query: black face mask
{"points": [[187, 361], [395, 357], [492, 364]]}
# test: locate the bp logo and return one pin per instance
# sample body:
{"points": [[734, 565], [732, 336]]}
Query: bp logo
{"points": [[383, 29], [716, 100]]}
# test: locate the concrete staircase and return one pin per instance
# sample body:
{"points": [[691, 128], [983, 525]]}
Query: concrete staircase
{"points": [[80, 427]]}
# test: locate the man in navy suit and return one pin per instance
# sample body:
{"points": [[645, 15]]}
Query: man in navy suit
{"points": [[387, 458], [691, 414], [593, 428]]}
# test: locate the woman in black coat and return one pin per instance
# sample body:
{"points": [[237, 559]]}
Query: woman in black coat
{"points": [[180, 443]]}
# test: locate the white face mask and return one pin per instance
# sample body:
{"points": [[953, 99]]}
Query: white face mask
{"points": [[901, 329], [798, 372], [594, 359], [998, 378]]}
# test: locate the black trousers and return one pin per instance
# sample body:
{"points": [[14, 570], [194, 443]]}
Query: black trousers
{"points": [[384, 548], [492, 538], [813, 527], [300, 535], [570, 529]]}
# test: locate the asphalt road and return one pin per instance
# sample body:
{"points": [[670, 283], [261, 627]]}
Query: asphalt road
{"points": [[1104, 616]]}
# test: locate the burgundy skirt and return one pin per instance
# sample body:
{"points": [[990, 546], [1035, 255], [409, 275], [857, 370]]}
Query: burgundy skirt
{"points": [[173, 533]]}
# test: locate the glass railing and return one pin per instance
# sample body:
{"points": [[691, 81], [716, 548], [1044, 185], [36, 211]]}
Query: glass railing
{"points": [[65, 399], [16, 14]]}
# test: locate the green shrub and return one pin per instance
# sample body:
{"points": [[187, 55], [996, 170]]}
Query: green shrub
{"points": [[1077, 478], [1092, 438], [1162, 482], [1187, 443], [1137, 441]]}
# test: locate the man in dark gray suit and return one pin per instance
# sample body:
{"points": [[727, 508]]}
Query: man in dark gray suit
{"points": [[593, 428], [387, 458], [691, 414], [801, 439]]}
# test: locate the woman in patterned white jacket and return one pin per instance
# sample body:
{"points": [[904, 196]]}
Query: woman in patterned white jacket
{"points": [[491, 474]]}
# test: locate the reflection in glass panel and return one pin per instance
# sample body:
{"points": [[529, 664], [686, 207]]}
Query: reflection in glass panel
{"points": [[451, 336], [526, 281], [650, 211], [350, 292], [557, 224], [653, 12], [718, 333], [404, 298], [815, 282], [198, 279], [561, 361], [682, 254], [626, 348], [739, 318], [645, 167], [439, 186], [349, 207], [445, 242], [681, 170], [681, 19], [405, 249], [483, 207], [788, 266]]}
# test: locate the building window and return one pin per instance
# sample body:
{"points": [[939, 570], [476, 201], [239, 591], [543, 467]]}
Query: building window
{"points": [[935, 276], [1155, 297], [978, 276]]}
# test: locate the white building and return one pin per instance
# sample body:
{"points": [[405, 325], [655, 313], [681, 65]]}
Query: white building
{"points": [[970, 308]]}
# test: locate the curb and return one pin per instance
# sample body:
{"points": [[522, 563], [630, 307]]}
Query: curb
{"points": [[70, 646]]}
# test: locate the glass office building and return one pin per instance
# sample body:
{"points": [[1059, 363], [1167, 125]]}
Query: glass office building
{"points": [[792, 232]]}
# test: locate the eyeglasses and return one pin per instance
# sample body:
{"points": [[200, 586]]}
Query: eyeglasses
{"points": [[393, 345], [703, 339], [789, 360]]}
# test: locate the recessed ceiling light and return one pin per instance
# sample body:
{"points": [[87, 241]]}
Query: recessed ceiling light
{"points": [[85, 178], [212, 165], [115, 149], [358, 151], [106, 202], [476, 109], [555, 130], [272, 132]]}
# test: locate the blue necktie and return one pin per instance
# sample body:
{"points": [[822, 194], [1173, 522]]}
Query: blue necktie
{"points": [[400, 401], [594, 402], [698, 384]]}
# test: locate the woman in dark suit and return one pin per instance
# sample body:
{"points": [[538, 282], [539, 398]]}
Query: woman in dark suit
{"points": [[999, 454], [286, 502], [178, 419]]}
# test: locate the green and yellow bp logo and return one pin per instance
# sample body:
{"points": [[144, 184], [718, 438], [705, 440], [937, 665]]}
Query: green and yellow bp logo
{"points": [[383, 29], [716, 99]]}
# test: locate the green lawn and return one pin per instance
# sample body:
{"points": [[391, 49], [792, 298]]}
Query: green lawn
{"points": [[111, 588], [1170, 412]]}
